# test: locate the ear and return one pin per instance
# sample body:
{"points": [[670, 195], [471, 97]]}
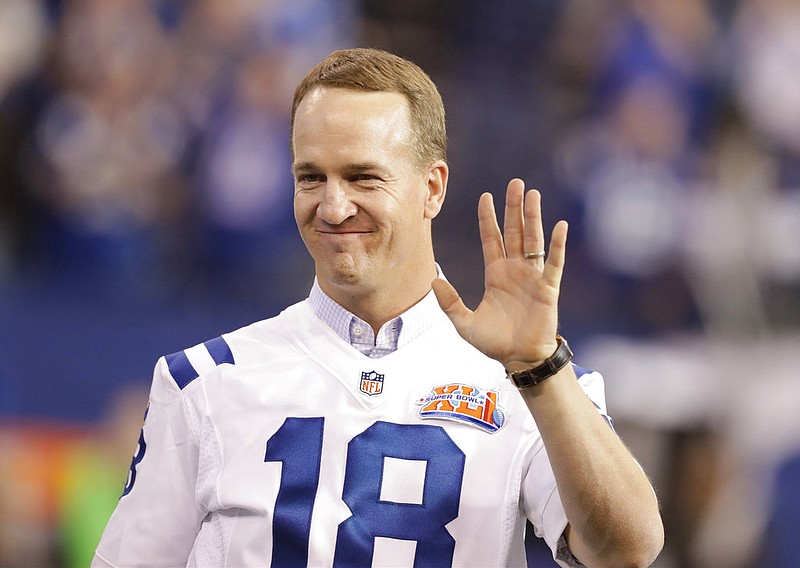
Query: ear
{"points": [[437, 188]]}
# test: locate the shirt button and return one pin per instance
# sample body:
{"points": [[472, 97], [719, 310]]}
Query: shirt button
{"points": [[357, 331]]}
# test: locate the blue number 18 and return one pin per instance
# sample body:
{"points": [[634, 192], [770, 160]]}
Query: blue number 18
{"points": [[298, 445]]}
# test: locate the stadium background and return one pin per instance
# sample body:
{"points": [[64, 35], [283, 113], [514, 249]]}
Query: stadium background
{"points": [[145, 205]]}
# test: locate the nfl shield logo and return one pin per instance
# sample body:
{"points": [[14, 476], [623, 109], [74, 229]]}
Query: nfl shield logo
{"points": [[371, 383]]}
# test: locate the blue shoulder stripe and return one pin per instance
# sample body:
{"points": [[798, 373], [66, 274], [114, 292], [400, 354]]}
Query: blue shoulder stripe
{"points": [[184, 372], [219, 351], [181, 369]]}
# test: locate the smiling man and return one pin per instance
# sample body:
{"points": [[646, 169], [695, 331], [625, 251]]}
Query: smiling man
{"points": [[380, 422], [363, 205]]}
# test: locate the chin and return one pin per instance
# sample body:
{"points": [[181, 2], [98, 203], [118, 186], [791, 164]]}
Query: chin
{"points": [[343, 272], [345, 278]]}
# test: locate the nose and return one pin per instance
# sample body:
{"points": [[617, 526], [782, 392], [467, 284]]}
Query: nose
{"points": [[335, 207]]}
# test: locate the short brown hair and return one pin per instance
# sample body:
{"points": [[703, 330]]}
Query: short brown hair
{"points": [[366, 69]]}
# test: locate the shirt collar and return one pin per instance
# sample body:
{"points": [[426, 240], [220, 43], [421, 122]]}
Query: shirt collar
{"points": [[393, 334]]}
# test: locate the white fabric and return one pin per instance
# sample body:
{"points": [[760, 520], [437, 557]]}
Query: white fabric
{"points": [[205, 495]]}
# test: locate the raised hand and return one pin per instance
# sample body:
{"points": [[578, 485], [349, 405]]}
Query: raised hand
{"points": [[517, 319]]}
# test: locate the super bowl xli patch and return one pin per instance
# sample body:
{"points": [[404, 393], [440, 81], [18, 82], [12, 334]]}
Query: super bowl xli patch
{"points": [[371, 383], [463, 403]]}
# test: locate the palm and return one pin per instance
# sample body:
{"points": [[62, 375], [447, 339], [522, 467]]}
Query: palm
{"points": [[517, 319]]}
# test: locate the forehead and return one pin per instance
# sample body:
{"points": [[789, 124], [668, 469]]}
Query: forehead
{"points": [[329, 99], [351, 120]]}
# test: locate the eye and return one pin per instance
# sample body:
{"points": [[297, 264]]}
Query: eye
{"points": [[309, 179], [364, 178]]}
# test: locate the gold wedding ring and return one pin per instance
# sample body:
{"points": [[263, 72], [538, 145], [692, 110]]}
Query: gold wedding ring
{"points": [[539, 254]]}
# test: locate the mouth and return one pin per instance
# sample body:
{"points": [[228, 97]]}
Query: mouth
{"points": [[342, 240], [341, 233]]}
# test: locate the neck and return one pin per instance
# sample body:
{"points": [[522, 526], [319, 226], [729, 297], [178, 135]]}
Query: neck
{"points": [[378, 305]]}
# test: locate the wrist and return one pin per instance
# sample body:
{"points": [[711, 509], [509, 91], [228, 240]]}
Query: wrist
{"points": [[533, 374]]}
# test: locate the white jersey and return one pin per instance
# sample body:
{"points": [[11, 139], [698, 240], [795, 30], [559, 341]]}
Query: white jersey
{"points": [[280, 444]]}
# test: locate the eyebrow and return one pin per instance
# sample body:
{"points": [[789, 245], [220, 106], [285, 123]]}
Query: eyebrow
{"points": [[304, 167], [355, 167]]}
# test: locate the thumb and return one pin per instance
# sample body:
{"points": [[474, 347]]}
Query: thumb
{"points": [[451, 303]]}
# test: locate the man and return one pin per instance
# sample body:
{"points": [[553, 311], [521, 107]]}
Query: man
{"points": [[367, 425]]}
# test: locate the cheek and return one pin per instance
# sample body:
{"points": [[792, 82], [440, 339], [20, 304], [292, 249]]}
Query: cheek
{"points": [[406, 223], [412, 210], [303, 210]]}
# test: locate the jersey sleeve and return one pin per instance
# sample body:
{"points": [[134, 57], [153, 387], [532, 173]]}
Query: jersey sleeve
{"points": [[157, 518], [540, 495]]}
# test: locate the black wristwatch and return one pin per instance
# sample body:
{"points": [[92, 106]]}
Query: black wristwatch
{"points": [[550, 366]]}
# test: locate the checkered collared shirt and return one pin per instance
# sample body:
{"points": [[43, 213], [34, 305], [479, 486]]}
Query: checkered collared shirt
{"points": [[358, 333]]}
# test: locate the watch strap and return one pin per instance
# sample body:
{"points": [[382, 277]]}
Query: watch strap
{"points": [[549, 367]]}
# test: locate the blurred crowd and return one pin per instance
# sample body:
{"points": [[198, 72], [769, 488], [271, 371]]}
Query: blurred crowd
{"points": [[144, 165], [145, 141]]}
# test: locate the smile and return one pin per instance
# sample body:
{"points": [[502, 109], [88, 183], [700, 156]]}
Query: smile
{"points": [[342, 233]]}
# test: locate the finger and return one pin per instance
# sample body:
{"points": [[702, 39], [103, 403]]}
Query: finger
{"points": [[554, 267], [534, 233], [491, 238], [513, 222], [452, 304]]}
